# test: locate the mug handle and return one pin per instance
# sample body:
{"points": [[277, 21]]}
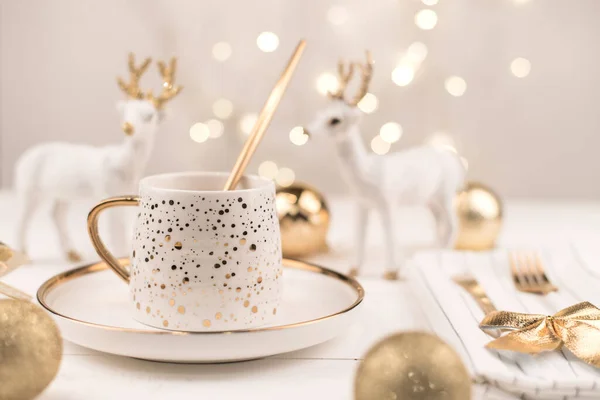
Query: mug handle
{"points": [[92, 224]]}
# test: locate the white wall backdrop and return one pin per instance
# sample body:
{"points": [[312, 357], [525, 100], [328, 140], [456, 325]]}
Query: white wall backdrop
{"points": [[532, 136]]}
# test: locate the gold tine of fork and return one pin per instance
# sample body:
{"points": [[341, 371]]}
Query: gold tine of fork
{"points": [[536, 281], [518, 278], [541, 273], [528, 273]]}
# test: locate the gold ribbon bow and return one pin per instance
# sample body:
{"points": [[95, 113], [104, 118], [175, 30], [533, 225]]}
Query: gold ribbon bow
{"points": [[576, 327]]}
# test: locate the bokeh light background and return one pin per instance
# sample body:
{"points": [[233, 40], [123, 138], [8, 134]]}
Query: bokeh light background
{"points": [[511, 85]]}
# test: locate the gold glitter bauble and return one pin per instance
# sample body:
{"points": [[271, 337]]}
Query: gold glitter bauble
{"points": [[30, 350], [304, 220], [479, 212], [412, 366]]}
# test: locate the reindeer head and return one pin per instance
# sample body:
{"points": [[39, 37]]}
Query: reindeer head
{"points": [[143, 110], [342, 114]]}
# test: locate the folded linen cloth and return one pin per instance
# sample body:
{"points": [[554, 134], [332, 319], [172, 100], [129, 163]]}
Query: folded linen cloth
{"points": [[455, 316]]}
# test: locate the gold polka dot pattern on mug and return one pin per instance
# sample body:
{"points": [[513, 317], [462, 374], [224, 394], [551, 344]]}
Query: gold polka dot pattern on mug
{"points": [[220, 246]]}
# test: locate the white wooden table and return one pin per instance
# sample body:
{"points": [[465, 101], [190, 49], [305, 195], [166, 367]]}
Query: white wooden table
{"points": [[322, 372]]}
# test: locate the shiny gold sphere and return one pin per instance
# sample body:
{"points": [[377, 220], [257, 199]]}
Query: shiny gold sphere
{"points": [[412, 366], [303, 219], [30, 350], [479, 211]]}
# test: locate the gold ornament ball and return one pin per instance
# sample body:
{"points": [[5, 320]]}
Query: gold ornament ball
{"points": [[479, 211], [303, 219], [412, 366], [30, 350]]}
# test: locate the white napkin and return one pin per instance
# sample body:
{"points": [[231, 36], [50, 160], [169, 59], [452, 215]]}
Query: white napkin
{"points": [[454, 316]]}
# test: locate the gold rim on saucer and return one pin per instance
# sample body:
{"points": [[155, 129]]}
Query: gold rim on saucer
{"points": [[57, 280]]}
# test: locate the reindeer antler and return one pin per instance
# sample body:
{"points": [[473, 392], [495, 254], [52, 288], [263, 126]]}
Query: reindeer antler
{"points": [[132, 89], [169, 91], [344, 78], [366, 72]]}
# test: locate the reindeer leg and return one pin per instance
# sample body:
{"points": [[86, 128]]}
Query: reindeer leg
{"points": [[361, 238], [387, 222], [446, 223], [452, 219], [439, 222], [59, 216], [29, 202]]}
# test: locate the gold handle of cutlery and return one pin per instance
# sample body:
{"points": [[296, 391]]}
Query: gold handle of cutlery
{"points": [[485, 304], [471, 286], [477, 293]]}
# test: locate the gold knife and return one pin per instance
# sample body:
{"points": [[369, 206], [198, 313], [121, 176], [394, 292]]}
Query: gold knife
{"points": [[473, 287]]}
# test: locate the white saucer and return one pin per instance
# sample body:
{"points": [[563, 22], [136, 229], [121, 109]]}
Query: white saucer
{"points": [[90, 306]]}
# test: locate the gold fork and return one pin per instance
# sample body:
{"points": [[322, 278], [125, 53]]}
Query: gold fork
{"points": [[528, 273]]}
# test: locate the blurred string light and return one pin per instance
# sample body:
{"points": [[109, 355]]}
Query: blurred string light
{"points": [[247, 122], [268, 169], [426, 19], [409, 63], [430, 2], [267, 42], [416, 52], [519, 2], [442, 140], [337, 15], [327, 82], [379, 146], [222, 108], [298, 136], [402, 75], [455, 85], [221, 51], [368, 103], [520, 67], [199, 132], [215, 128], [285, 177], [390, 132]]}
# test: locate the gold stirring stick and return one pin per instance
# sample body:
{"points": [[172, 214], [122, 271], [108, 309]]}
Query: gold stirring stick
{"points": [[13, 292], [264, 119]]}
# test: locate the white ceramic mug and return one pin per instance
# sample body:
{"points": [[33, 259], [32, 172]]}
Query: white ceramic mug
{"points": [[203, 259]]}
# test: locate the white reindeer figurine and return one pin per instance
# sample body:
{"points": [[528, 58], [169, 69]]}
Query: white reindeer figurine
{"points": [[419, 176], [60, 172]]}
